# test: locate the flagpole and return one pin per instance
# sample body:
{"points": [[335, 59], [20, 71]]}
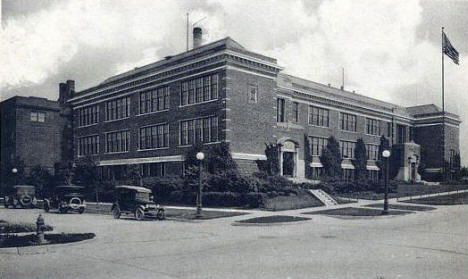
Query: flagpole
{"points": [[443, 109]]}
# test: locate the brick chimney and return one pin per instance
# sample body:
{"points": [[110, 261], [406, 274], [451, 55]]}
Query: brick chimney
{"points": [[66, 91], [197, 37]]}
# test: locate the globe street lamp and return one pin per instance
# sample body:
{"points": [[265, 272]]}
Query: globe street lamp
{"points": [[200, 157], [386, 154], [15, 171]]}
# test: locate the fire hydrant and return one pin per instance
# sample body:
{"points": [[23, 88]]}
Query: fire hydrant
{"points": [[40, 226]]}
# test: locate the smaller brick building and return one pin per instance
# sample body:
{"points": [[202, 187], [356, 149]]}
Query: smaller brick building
{"points": [[32, 132]]}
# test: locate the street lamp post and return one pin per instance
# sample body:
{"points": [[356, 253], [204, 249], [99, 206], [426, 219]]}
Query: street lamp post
{"points": [[200, 157], [15, 171], [386, 154]]}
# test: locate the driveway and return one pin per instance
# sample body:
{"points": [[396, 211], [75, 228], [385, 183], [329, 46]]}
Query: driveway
{"points": [[431, 244]]}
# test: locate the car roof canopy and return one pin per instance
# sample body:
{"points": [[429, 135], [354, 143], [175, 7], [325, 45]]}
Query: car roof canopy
{"points": [[70, 187], [24, 186], [134, 188]]}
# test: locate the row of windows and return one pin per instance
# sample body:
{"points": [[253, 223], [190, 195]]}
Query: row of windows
{"points": [[156, 136], [199, 90], [348, 174], [199, 130], [88, 145], [194, 91], [122, 171], [88, 115], [317, 145], [156, 100], [38, 116], [321, 117]]}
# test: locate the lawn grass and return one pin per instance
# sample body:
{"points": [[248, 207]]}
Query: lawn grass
{"points": [[190, 214], [404, 190], [454, 199], [29, 240], [402, 207], [7, 228], [355, 211], [273, 219]]}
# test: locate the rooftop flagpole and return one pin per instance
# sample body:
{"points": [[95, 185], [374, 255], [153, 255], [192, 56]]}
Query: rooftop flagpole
{"points": [[443, 109]]}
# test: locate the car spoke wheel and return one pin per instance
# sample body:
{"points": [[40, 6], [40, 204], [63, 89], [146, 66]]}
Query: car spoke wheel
{"points": [[139, 214], [161, 215], [116, 212]]}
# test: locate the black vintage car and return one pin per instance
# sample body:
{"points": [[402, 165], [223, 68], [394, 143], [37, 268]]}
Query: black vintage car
{"points": [[66, 198], [23, 196], [137, 201]]}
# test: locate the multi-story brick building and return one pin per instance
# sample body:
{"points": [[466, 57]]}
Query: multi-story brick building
{"points": [[32, 132], [221, 92]]}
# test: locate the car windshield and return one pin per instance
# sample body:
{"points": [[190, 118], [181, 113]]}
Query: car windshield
{"points": [[142, 196]]}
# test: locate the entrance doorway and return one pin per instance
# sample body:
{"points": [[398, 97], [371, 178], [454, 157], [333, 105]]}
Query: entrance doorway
{"points": [[288, 164]]}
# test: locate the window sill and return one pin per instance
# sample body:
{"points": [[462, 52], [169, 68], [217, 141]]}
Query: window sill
{"points": [[204, 102], [90, 125], [153, 112], [119, 152], [150, 149], [205, 143], [113, 120]]}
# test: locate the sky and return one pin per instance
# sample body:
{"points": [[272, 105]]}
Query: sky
{"points": [[390, 49]]}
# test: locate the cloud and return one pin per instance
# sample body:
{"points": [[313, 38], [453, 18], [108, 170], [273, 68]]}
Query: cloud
{"points": [[384, 46]]}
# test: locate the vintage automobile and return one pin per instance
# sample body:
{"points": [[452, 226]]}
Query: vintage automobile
{"points": [[23, 196], [137, 201], [66, 198]]}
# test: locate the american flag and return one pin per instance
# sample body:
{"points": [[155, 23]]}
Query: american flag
{"points": [[448, 49]]}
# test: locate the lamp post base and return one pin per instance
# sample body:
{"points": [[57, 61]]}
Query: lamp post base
{"points": [[199, 213]]}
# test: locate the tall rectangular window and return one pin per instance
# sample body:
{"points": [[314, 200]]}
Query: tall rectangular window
{"points": [[317, 145], [389, 129], [156, 136], [88, 145], [153, 101], [347, 149], [372, 151], [118, 141], [348, 122], [198, 90], [199, 130], [118, 108], [319, 116], [373, 126], [402, 135], [280, 113], [295, 111]]}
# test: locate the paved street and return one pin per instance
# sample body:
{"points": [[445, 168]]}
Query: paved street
{"points": [[432, 244]]}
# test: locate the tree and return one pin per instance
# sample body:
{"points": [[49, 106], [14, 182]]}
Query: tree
{"points": [[41, 178], [331, 159], [218, 158], [456, 167], [272, 153], [360, 160], [463, 172], [85, 173], [384, 145], [134, 175]]}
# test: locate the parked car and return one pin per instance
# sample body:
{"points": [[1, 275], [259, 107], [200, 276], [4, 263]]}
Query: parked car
{"points": [[66, 198], [23, 196], [137, 201]]}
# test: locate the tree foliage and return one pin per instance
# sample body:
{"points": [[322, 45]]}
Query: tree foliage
{"points": [[360, 160], [41, 178], [331, 159]]}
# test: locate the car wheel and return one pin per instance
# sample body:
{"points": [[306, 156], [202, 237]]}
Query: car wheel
{"points": [[139, 214], [81, 210], [116, 212], [46, 206], [161, 215]]}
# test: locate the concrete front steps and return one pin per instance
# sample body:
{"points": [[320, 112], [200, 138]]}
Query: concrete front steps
{"points": [[325, 198]]}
